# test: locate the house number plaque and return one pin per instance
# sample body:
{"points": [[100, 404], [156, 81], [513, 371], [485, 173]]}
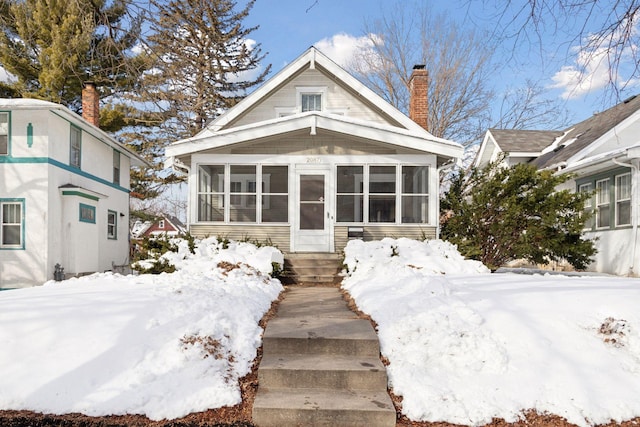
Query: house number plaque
{"points": [[314, 160]]}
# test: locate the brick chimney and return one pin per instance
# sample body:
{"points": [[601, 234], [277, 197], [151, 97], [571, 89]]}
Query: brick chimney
{"points": [[418, 92], [91, 103]]}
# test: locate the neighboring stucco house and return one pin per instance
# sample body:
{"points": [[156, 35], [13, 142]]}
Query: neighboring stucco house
{"points": [[312, 158], [604, 154], [64, 192], [165, 225]]}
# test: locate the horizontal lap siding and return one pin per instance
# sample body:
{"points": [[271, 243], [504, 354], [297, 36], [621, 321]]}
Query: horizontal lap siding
{"points": [[278, 235], [378, 232]]}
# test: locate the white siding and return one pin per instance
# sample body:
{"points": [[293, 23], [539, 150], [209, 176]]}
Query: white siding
{"points": [[337, 99]]}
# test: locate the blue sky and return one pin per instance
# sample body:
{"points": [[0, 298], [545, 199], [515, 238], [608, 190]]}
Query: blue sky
{"points": [[289, 27]]}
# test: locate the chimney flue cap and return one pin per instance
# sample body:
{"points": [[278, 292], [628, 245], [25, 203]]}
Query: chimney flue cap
{"points": [[419, 67]]}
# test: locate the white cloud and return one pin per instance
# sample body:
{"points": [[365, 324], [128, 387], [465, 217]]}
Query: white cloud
{"points": [[595, 66], [344, 48]]}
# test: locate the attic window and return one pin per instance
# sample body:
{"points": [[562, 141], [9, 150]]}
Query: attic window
{"points": [[310, 98], [311, 102]]}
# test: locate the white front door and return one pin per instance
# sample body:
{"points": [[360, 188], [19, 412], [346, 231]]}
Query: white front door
{"points": [[313, 222]]}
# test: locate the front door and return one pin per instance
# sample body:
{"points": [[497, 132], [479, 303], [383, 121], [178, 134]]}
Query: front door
{"points": [[313, 219]]}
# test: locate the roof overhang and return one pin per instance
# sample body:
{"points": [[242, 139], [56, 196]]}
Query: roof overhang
{"points": [[315, 121]]}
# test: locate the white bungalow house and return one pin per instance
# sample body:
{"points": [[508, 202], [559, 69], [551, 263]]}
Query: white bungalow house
{"points": [[603, 153], [312, 158], [64, 192]]}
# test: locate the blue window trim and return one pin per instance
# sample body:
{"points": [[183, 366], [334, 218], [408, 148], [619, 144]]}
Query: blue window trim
{"points": [[82, 206], [8, 134], [22, 209], [56, 163], [115, 225]]}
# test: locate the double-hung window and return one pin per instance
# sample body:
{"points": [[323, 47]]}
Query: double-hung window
{"points": [[603, 204], [4, 134], [12, 224], [116, 167], [311, 102], [112, 225], [588, 204], [623, 199], [75, 150]]}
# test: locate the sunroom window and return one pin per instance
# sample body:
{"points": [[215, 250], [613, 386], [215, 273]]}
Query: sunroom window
{"points": [[382, 194], [242, 202], [623, 199], [244, 193], [415, 194], [211, 193], [350, 194]]}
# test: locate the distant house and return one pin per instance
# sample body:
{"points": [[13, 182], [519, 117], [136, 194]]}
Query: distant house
{"points": [[604, 154], [64, 192], [312, 158], [165, 225]]}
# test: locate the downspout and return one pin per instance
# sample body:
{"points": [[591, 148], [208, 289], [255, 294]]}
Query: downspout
{"points": [[634, 213]]}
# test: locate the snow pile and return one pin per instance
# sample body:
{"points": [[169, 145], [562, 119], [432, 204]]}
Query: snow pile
{"points": [[466, 347], [160, 345]]}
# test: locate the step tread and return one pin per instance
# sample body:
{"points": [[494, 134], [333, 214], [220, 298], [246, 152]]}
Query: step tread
{"points": [[319, 362], [309, 327], [315, 399]]}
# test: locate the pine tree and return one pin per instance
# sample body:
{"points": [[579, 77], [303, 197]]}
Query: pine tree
{"points": [[203, 61], [53, 46], [497, 214]]}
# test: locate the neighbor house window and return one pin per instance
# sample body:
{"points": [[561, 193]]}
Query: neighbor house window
{"points": [[112, 225], [603, 207], [588, 204], [4, 134], [211, 193], [12, 224], [87, 213], [161, 224], [75, 152], [242, 203], [275, 194], [623, 199], [116, 167], [415, 194], [350, 194], [382, 194]]}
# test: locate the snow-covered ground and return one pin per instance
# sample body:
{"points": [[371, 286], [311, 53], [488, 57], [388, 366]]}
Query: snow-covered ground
{"points": [[160, 345], [465, 345]]}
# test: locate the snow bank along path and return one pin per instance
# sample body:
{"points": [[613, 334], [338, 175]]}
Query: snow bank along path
{"points": [[465, 345], [159, 345]]}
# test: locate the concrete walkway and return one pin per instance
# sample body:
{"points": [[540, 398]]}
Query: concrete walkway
{"points": [[321, 366]]}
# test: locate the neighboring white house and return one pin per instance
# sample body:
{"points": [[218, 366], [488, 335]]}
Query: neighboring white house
{"points": [[64, 193], [604, 154], [312, 158]]}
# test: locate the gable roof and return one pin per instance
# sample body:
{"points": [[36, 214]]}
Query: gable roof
{"points": [[579, 139], [221, 131], [524, 141]]}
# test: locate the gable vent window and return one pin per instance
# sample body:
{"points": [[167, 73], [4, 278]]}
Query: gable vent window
{"points": [[311, 102]]}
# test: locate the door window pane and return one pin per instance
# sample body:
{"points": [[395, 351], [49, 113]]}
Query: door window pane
{"points": [[312, 211]]}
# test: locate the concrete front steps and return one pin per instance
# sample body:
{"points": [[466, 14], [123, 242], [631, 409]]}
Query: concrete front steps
{"points": [[312, 267], [321, 366]]}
